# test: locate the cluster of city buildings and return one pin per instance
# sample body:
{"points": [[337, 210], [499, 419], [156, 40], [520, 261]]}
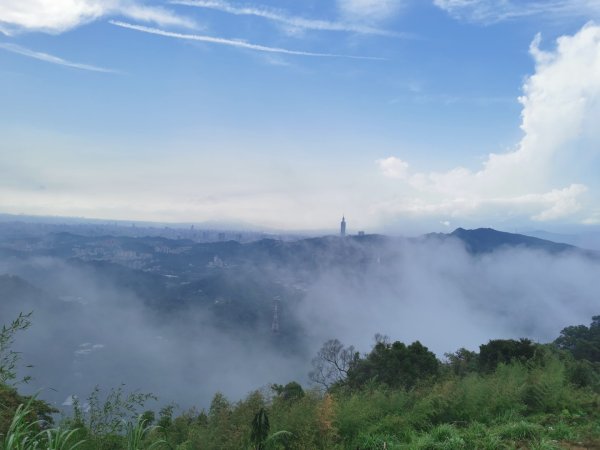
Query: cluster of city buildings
{"points": [[343, 228]]}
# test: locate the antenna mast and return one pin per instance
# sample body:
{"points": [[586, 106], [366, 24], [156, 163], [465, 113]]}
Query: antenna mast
{"points": [[275, 324]]}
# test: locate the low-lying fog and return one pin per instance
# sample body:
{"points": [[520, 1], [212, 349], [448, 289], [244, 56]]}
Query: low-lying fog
{"points": [[432, 291]]}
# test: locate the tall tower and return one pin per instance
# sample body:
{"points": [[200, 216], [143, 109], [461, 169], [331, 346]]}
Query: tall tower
{"points": [[343, 227], [275, 323]]}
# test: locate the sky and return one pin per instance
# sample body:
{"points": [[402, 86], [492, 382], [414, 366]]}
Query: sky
{"points": [[402, 115]]}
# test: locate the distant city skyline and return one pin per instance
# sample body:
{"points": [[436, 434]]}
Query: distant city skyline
{"points": [[406, 115]]}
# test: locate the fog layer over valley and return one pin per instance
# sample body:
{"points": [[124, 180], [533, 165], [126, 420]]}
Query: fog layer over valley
{"points": [[185, 320], [98, 332], [437, 292]]}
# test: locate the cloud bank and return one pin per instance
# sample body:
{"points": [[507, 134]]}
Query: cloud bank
{"points": [[436, 292], [95, 331], [560, 108], [58, 16]]}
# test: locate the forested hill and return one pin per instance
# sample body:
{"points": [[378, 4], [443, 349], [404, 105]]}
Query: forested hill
{"points": [[484, 240]]}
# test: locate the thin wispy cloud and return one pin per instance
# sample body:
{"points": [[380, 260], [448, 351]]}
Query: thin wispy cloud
{"points": [[51, 58], [294, 22], [492, 11], [233, 42], [370, 10]]}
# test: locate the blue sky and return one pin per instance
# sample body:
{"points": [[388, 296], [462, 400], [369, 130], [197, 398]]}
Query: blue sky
{"points": [[402, 114]]}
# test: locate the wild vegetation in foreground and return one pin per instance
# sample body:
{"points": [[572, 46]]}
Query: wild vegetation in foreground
{"points": [[509, 395]]}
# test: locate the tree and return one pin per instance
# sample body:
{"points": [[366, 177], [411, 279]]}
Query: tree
{"points": [[165, 416], [259, 434], [291, 391], [148, 417], [581, 341], [8, 357], [220, 425], [504, 351], [395, 365], [109, 415], [260, 429], [39, 411], [332, 362], [219, 408], [462, 361], [10, 399]]}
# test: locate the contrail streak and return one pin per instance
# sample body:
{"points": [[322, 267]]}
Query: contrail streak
{"points": [[233, 42]]}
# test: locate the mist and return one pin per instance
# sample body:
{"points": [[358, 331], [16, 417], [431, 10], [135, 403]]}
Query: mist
{"points": [[435, 291], [88, 331]]}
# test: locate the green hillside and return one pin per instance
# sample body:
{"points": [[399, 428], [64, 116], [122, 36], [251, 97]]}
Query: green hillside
{"points": [[509, 395]]}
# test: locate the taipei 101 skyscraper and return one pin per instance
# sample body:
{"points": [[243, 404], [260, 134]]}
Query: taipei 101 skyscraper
{"points": [[343, 227]]}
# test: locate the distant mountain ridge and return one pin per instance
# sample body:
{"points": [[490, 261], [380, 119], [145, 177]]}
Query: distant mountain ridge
{"points": [[485, 240], [181, 253]]}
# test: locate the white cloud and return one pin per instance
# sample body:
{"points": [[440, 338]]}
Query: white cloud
{"points": [[558, 101], [369, 10], [560, 203], [592, 219], [291, 22], [491, 11], [157, 15], [232, 42], [57, 16], [393, 167], [51, 58]]}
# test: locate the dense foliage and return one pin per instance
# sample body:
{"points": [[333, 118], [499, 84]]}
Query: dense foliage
{"points": [[583, 342], [511, 394], [394, 365]]}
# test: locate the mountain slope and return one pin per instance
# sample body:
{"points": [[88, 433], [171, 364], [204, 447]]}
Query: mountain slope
{"points": [[485, 240]]}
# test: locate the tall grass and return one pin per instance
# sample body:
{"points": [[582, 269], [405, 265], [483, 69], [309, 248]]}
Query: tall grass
{"points": [[532, 405], [58, 439], [138, 432], [24, 433]]}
